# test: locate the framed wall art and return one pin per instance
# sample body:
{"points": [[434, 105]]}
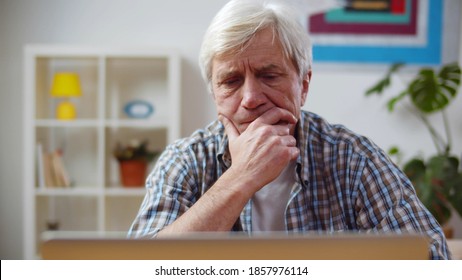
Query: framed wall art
{"points": [[388, 31]]}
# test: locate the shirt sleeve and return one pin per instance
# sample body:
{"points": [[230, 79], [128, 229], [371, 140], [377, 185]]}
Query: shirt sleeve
{"points": [[170, 191], [387, 202]]}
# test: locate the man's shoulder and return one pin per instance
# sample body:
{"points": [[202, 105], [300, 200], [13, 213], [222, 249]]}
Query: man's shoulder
{"points": [[212, 134], [322, 132], [321, 129]]}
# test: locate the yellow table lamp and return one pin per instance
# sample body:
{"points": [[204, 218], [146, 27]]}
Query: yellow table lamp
{"points": [[66, 85]]}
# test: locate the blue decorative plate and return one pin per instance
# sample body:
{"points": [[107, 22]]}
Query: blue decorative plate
{"points": [[138, 109]]}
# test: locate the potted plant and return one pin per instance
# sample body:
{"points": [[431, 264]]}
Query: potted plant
{"points": [[133, 161], [438, 179]]}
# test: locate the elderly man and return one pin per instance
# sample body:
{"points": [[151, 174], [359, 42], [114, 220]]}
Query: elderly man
{"points": [[265, 164]]}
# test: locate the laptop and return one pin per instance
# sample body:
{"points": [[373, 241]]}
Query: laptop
{"points": [[239, 247]]}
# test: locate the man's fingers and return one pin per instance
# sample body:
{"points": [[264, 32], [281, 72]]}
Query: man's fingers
{"points": [[289, 141], [277, 116], [280, 129], [230, 129]]}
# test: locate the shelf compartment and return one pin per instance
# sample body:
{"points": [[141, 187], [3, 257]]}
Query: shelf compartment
{"points": [[157, 140], [85, 67], [75, 213], [137, 78], [79, 154]]}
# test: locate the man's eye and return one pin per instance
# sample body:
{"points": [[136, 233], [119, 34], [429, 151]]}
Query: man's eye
{"points": [[231, 82], [270, 76]]}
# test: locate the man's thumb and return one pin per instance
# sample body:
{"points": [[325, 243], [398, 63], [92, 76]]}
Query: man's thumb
{"points": [[229, 127]]}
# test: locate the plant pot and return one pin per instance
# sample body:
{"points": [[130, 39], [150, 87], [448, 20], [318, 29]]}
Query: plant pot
{"points": [[133, 172]]}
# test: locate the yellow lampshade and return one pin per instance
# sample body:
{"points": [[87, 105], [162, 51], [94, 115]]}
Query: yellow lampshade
{"points": [[66, 85]]}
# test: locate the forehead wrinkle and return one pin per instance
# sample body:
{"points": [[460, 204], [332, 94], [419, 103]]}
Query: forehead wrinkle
{"points": [[235, 64], [269, 67], [228, 69], [233, 70]]}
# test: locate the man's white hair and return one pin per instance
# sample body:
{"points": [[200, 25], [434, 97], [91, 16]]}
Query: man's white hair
{"points": [[239, 20]]}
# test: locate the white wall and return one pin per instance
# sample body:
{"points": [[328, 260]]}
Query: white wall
{"points": [[335, 93]]}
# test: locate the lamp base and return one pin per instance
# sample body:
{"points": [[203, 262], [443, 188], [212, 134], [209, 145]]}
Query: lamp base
{"points": [[66, 111]]}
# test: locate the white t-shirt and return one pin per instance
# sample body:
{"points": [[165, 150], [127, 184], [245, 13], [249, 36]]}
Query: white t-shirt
{"points": [[269, 203]]}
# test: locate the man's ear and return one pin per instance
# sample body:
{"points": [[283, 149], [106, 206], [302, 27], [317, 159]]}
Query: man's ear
{"points": [[305, 87]]}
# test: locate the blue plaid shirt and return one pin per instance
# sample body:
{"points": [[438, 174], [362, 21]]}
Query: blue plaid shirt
{"points": [[344, 183]]}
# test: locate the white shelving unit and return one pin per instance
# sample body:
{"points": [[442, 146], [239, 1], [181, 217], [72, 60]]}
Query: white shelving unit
{"points": [[109, 77]]}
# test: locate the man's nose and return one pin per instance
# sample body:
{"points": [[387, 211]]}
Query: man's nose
{"points": [[252, 94]]}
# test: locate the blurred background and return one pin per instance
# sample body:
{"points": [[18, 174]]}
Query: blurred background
{"points": [[336, 91]]}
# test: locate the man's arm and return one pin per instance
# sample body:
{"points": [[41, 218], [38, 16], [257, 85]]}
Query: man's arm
{"points": [[217, 210], [388, 202], [259, 155]]}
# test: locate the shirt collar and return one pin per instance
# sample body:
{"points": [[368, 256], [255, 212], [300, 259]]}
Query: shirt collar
{"points": [[223, 155], [301, 135]]}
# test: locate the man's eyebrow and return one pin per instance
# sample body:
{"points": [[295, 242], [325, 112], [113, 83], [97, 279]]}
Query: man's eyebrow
{"points": [[226, 74], [269, 67], [230, 72]]}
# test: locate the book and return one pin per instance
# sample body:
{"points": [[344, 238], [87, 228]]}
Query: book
{"points": [[60, 174], [51, 171], [48, 171], [40, 167]]}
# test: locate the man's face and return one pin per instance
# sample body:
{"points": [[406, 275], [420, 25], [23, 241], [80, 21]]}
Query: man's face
{"points": [[247, 84]]}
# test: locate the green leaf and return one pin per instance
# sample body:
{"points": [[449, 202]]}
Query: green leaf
{"points": [[379, 87], [415, 170], [394, 150], [430, 92], [392, 102], [395, 67], [450, 74], [453, 183], [432, 182], [455, 196], [382, 84]]}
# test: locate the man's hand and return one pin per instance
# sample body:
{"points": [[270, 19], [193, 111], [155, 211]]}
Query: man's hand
{"points": [[262, 151], [259, 155]]}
